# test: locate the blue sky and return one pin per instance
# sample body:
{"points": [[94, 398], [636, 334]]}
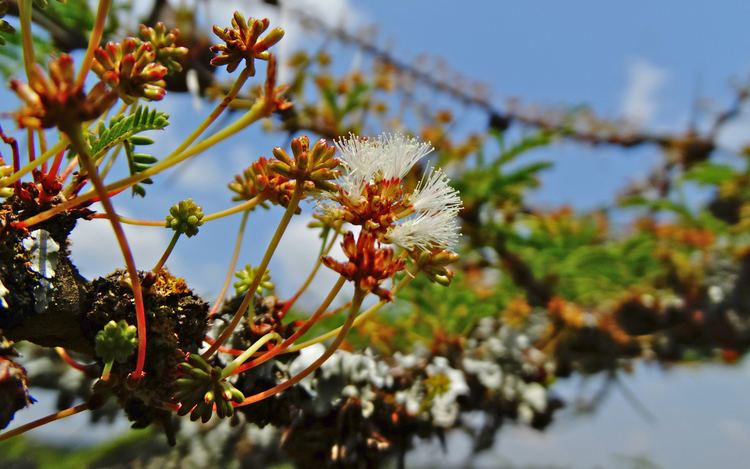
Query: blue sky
{"points": [[645, 59]]}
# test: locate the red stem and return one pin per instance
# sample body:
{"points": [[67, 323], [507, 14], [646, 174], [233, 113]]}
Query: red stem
{"points": [[16, 155], [297, 334], [76, 138], [68, 169], [56, 163], [30, 143], [69, 360], [222, 349]]}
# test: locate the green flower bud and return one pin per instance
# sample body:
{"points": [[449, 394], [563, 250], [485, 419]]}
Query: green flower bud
{"points": [[116, 342], [245, 278], [185, 217]]}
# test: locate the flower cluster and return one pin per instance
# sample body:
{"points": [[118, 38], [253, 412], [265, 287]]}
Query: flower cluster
{"points": [[201, 387], [58, 100], [274, 180], [164, 41], [368, 264], [371, 193], [246, 276], [131, 69], [258, 180], [243, 42], [116, 342], [424, 391], [185, 217], [317, 165]]}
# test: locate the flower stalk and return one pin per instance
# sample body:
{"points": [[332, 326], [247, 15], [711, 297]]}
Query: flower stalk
{"points": [[286, 218], [359, 296], [79, 144]]}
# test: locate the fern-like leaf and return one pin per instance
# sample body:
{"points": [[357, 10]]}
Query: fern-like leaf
{"points": [[138, 162], [122, 128]]}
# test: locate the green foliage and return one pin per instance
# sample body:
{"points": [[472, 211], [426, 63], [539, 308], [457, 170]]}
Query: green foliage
{"points": [[11, 54], [138, 162], [75, 15], [25, 452], [495, 181], [124, 130], [341, 106], [5, 27], [709, 174], [573, 253]]}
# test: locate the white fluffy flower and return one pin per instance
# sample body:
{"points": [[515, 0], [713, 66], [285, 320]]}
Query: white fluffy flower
{"points": [[434, 194], [387, 156], [435, 222], [427, 216], [427, 230]]}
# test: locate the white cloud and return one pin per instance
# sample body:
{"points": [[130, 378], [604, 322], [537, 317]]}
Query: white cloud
{"points": [[201, 174], [640, 98], [95, 251]]}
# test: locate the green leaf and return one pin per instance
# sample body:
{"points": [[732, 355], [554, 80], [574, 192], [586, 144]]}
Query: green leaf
{"points": [[709, 174], [527, 143], [122, 128], [137, 163]]}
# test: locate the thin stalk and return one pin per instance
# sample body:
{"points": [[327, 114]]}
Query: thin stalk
{"points": [[167, 252], [311, 276], [290, 209], [246, 206], [30, 144], [42, 146], [231, 94], [362, 317], [42, 140], [56, 163], [140, 312], [222, 349], [111, 161], [43, 421], [59, 146], [279, 348], [69, 360], [253, 114], [24, 16], [69, 169], [232, 265], [96, 36], [131, 221], [234, 364], [359, 296], [107, 370]]}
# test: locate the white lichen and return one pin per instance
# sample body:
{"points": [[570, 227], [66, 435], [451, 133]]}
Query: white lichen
{"points": [[3, 293], [43, 251]]}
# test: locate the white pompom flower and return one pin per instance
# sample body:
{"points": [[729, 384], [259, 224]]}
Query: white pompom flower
{"points": [[371, 193]]}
